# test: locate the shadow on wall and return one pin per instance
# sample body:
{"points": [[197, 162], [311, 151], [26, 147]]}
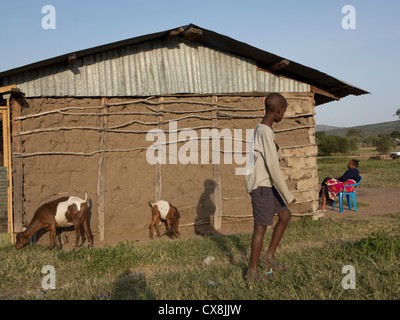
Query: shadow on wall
{"points": [[205, 211], [235, 247]]}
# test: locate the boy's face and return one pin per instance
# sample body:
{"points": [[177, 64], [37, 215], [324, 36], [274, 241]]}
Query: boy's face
{"points": [[280, 113], [351, 165]]}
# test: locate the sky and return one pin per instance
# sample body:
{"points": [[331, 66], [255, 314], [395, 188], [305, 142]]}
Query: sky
{"points": [[307, 32]]}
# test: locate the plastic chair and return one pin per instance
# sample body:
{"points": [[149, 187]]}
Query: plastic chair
{"points": [[347, 194]]}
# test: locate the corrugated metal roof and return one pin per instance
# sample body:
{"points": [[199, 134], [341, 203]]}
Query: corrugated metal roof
{"points": [[152, 68], [150, 65]]}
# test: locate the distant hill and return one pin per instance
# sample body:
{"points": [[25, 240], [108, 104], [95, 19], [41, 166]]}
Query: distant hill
{"points": [[323, 127], [367, 130]]}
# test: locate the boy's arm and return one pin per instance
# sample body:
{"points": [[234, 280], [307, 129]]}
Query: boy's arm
{"points": [[272, 162]]}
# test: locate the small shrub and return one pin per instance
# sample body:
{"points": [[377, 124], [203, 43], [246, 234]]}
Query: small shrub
{"points": [[375, 158]]}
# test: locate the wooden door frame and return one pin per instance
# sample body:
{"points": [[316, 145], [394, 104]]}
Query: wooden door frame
{"points": [[7, 92], [5, 117]]}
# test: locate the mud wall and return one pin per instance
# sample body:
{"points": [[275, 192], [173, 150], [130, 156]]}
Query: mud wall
{"points": [[61, 142]]}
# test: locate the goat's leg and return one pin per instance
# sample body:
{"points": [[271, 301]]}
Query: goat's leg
{"points": [[151, 229], [157, 223], [169, 224], [53, 237], [77, 234], [170, 228], [152, 223], [176, 227], [87, 232]]}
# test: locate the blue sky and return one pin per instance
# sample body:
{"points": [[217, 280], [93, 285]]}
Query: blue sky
{"points": [[308, 32]]}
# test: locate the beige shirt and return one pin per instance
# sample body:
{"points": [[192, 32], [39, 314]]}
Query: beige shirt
{"points": [[264, 159]]}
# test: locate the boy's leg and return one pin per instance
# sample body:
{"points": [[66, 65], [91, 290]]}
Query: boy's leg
{"points": [[256, 247], [279, 230]]}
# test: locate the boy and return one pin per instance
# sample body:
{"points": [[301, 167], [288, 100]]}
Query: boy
{"points": [[263, 183]]}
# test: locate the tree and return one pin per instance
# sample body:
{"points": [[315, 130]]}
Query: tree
{"points": [[398, 113], [369, 141], [384, 143], [354, 133], [333, 144], [395, 134], [354, 136]]}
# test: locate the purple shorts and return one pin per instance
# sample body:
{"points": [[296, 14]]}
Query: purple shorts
{"points": [[266, 201]]}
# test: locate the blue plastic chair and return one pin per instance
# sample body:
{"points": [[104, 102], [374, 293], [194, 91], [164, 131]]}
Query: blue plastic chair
{"points": [[347, 194]]}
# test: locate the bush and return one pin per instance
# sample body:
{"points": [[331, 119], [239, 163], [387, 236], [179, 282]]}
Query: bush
{"points": [[375, 158], [384, 143], [329, 144]]}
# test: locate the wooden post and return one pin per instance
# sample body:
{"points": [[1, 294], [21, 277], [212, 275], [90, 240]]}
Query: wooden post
{"points": [[157, 166], [7, 163], [101, 180], [216, 174]]}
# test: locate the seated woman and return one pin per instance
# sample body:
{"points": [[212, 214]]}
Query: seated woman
{"points": [[331, 186]]}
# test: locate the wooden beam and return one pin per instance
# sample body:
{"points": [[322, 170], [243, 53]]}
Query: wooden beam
{"points": [[173, 33], [7, 89], [17, 166], [323, 92], [191, 34], [101, 179], [216, 175], [279, 65], [71, 60], [5, 116], [157, 166]]}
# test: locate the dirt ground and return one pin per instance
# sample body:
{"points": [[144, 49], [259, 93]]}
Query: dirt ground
{"points": [[371, 202]]}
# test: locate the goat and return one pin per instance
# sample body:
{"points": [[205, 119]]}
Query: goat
{"points": [[63, 212], [163, 210]]}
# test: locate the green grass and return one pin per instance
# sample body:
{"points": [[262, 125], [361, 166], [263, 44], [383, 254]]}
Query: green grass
{"points": [[375, 173], [316, 252]]}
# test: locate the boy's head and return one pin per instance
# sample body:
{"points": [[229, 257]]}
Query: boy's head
{"points": [[353, 164], [276, 104]]}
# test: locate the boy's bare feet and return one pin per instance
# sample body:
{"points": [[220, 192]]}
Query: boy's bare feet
{"points": [[256, 276], [269, 261]]}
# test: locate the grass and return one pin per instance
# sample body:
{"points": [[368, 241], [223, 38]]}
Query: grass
{"points": [[375, 173], [163, 269], [316, 252]]}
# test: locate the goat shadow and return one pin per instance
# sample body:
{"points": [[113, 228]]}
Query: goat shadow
{"points": [[59, 231], [205, 211]]}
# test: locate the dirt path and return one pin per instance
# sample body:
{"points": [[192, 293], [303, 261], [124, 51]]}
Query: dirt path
{"points": [[371, 202]]}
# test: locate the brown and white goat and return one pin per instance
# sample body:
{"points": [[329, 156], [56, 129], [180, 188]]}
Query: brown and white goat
{"points": [[63, 212], [163, 210]]}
